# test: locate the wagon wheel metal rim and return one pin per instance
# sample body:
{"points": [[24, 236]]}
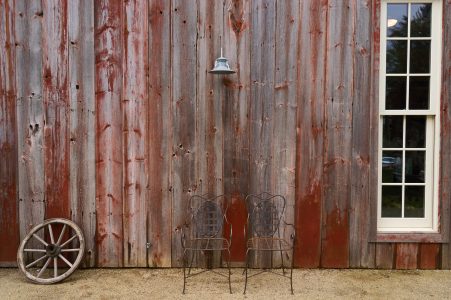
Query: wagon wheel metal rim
{"points": [[53, 251]]}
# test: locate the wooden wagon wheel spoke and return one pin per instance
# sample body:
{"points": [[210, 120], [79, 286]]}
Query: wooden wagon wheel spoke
{"points": [[39, 239], [61, 235], [53, 250], [52, 239], [44, 267], [35, 262], [65, 260], [68, 241]]}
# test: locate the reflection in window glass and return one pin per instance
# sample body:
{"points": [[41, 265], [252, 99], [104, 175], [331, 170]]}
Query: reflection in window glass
{"points": [[420, 56], [397, 20], [395, 92], [414, 202], [419, 92], [396, 57], [420, 20], [392, 166], [391, 201], [415, 131]]}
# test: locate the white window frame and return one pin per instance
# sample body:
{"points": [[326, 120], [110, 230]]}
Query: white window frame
{"points": [[430, 222]]}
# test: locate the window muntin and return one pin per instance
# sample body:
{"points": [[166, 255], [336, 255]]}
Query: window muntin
{"points": [[409, 120]]}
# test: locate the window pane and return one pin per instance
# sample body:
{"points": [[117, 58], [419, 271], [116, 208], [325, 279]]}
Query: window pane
{"points": [[396, 57], [397, 20], [420, 56], [419, 92], [392, 132], [391, 201], [415, 131], [415, 166], [414, 202], [395, 93], [421, 20], [391, 166]]}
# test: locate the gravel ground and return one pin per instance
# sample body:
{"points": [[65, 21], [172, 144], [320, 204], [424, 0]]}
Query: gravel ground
{"points": [[167, 284]]}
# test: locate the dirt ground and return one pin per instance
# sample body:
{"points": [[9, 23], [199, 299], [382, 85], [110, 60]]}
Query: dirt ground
{"points": [[167, 284]]}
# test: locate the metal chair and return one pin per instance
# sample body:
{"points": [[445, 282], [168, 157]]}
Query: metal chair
{"points": [[266, 231], [204, 235]]}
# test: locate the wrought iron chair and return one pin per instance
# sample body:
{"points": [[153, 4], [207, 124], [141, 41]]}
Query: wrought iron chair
{"points": [[204, 235], [266, 232]]}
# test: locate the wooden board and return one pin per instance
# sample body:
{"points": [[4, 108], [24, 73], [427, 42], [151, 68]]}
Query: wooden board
{"points": [[385, 253], [159, 226], [429, 256], [361, 252], [406, 256], [184, 116], [236, 46], [108, 22], [9, 219], [135, 142], [30, 114], [338, 94], [310, 133], [82, 122]]}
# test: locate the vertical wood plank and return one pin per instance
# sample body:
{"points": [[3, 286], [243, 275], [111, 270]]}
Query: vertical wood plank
{"points": [[361, 252], [159, 226], [134, 118], [30, 114], [429, 256], [445, 137], [338, 95], [385, 253], [108, 22], [56, 108], [9, 219], [406, 256], [82, 121], [184, 93], [310, 132], [236, 45], [285, 107], [263, 15]]}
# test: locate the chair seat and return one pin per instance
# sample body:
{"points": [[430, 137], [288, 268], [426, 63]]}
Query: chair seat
{"points": [[268, 244], [207, 244]]}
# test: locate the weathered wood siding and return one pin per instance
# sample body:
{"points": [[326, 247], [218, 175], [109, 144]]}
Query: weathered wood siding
{"points": [[108, 116]]}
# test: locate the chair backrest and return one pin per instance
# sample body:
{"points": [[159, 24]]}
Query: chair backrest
{"points": [[207, 216], [265, 214]]}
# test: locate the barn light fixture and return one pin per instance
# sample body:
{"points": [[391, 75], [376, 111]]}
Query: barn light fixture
{"points": [[221, 66], [391, 22]]}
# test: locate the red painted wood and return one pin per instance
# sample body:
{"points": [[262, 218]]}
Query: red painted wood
{"points": [[406, 256], [429, 257], [56, 109], [237, 216], [9, 221], [310, 136], [109, 198]]}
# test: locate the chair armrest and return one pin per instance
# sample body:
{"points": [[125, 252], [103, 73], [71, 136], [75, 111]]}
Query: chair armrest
{"points": [[293, 230]]}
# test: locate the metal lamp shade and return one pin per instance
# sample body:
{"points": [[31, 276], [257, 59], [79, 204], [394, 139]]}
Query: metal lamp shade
{"points": [[221, 66]]}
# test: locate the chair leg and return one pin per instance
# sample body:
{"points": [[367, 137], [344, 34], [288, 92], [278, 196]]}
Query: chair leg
{"points": [[245, 269], [191, 262], [228, 266], [291, 272], [281, 257], [184, 261]]}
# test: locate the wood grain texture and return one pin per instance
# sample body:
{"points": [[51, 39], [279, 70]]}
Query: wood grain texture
{"points": [[285, 107], [108, 22], [236, 43], [135, 143], [184, 115], [159, 227], [30, 114], [9, 219], [338, 94], [310, 132], [361, 252], [82, 122], [445, 138], [406, 256], [429, 256], [385, 253]]}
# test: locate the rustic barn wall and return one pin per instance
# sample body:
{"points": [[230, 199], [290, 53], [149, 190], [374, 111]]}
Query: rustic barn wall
{"points": [[109, 117]]}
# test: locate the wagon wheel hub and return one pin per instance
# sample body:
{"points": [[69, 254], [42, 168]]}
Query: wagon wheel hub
{"points": [[52, 250]]}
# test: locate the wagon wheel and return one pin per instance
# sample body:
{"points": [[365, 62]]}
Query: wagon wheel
{"points": [[51, 252]]}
